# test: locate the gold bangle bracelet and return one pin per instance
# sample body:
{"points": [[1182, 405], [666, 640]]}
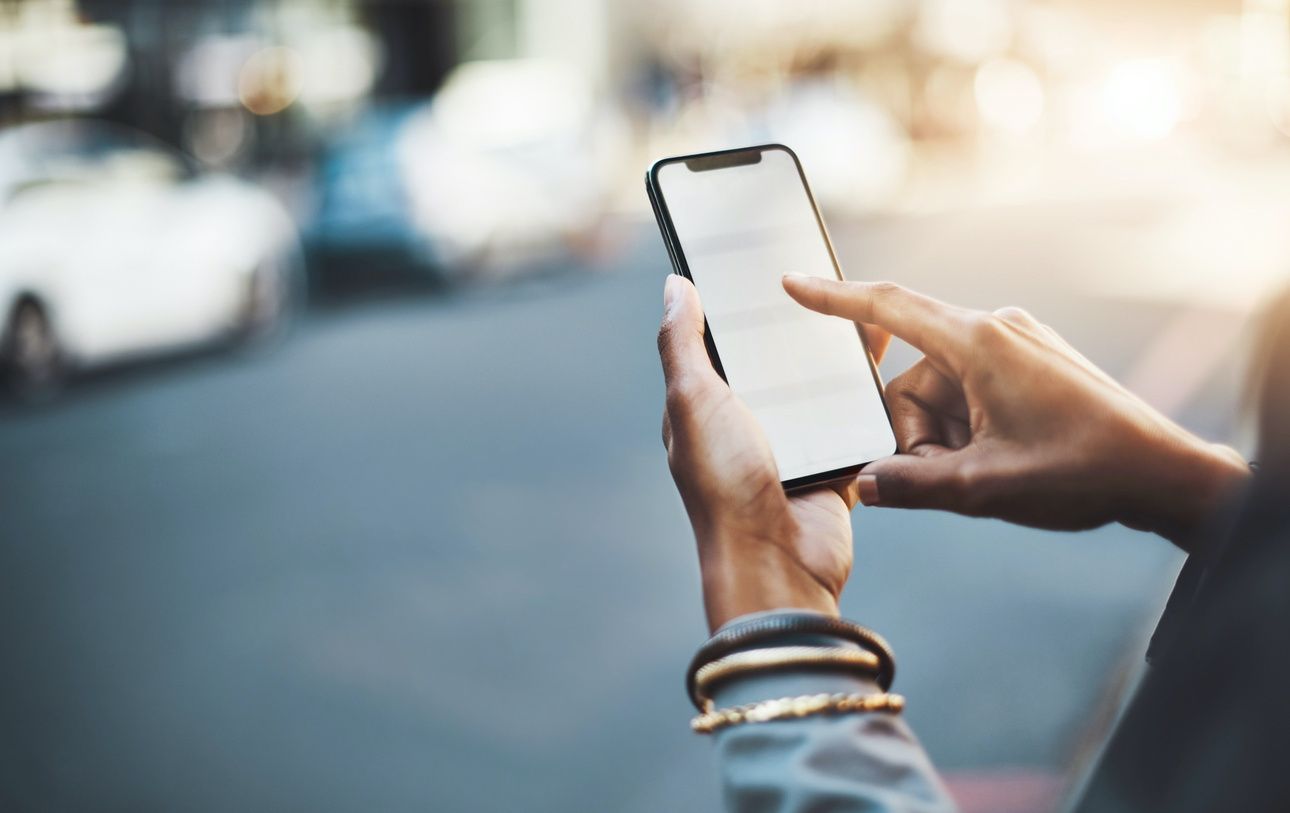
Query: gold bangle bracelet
{"points": [[792, 708], [756, 660]]}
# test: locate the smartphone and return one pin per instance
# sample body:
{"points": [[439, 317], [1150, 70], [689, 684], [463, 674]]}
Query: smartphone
{"points": [[734, 223]]}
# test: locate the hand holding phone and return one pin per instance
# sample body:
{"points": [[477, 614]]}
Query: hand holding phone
{"points": [[759, 547], [735, 222]]}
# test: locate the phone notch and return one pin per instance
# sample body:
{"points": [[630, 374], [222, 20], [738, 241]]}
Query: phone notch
{"points": [[724, 160]]}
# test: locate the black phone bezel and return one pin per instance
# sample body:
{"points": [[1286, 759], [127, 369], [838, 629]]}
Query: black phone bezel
{"points": [[679, 266]]}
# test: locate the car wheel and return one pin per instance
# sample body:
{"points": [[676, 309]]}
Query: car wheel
{"points": [[33, 358]]}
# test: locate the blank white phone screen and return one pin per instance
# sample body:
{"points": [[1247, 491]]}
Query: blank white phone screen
{"points": [[805, 376]]}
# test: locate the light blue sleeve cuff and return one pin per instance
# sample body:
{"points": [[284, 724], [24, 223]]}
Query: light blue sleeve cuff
{"points": [[868, 762]]}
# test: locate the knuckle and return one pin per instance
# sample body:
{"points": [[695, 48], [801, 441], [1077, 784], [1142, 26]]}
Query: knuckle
{"points": [[883, 292], [989, 330], [903, 386], [972, 488], [962, 487], [899, 384], [680, 393], [878, 297], [884, 289], [1015, 315]]}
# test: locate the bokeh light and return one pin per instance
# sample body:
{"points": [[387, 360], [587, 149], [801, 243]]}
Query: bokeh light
{"points": [[1009, 95], [270, 80], [1142, 99]]}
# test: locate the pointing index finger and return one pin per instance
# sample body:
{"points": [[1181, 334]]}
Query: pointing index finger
{"points": [[932, 326]]}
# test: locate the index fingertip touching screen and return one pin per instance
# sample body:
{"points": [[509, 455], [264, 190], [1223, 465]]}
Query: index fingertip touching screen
{"points": [[743, 220]]}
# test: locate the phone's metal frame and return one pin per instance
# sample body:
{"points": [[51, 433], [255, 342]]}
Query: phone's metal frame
{"points": [[680, 266]]}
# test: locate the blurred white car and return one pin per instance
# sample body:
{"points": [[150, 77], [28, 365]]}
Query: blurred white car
{"points": [[114, 246]]}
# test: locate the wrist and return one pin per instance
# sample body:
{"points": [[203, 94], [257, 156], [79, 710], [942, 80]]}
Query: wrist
{"points": [[1189, 488], [749, 574]]}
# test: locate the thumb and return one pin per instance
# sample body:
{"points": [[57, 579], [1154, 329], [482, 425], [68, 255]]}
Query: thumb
{"points": [[680, 337], [912, 481]]}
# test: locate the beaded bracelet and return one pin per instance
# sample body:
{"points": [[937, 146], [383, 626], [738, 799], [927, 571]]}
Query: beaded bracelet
{"points": [[792, 708]]}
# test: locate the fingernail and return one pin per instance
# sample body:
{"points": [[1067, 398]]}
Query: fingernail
{"points": [[795, 276], [867, 485], [670, 290]]}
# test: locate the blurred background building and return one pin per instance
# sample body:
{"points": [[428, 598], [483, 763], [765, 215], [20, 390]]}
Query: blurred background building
{"points": [[421, 549]]}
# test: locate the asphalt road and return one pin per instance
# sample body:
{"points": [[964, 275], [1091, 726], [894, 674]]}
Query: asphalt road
{"points": [[426, 555]]}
